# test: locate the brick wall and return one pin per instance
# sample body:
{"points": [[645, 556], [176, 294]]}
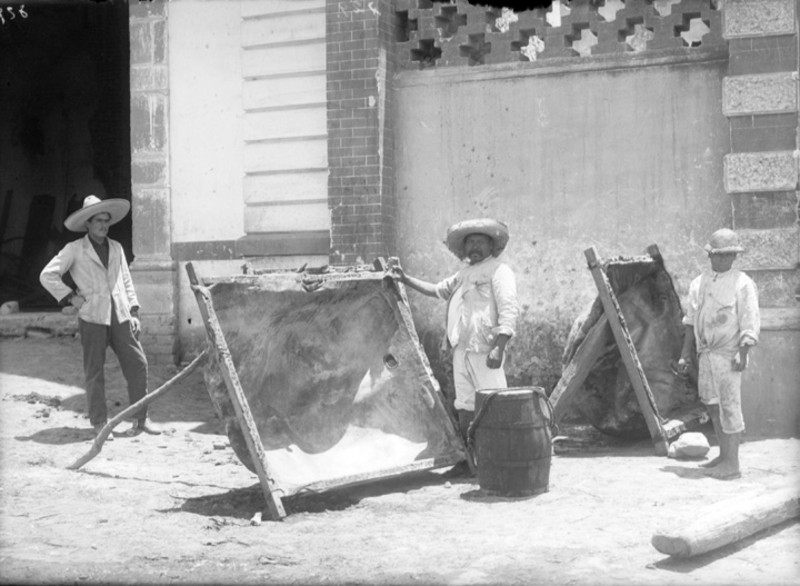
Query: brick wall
{"points": [[360, 62]]}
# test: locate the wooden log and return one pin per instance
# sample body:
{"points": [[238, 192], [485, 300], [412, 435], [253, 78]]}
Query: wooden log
{"points": [[578, 368], [238, 399], [628, 352], [730, 521], [97, 445]]}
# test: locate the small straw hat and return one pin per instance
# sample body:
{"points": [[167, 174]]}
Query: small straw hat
{"points": [[723, 241]]}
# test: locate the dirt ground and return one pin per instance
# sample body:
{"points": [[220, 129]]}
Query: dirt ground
{"points": [[176, 508]]}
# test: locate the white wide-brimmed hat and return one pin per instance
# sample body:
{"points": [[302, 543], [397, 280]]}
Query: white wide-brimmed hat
{"points": [[494, 229], [117, 208], [723, 241]]}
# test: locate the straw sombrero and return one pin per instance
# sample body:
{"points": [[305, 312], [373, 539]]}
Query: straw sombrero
{"points": [[92, 205], [723, 241], [495, 230]]}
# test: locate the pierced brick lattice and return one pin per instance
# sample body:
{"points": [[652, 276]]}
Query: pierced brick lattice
{"points": [[458, 33]]}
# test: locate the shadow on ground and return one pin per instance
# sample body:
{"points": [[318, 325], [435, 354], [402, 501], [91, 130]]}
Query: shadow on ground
{"points": [[240, 503]]}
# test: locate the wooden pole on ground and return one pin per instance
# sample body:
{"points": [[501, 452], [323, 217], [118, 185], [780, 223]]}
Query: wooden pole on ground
{"points": [[241, 407], [628, 352], [97, 445], [730, 521]]}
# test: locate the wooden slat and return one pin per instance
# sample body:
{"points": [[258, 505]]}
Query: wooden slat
{"points": [[283, 59], [228, 371], [628, 352], [285, 123], [286, 187], [284, 155], [274, 8], [295, 217], [578, 368], [286, 92], [288, 28]]}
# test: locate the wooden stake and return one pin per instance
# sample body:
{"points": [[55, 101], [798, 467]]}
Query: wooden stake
{"points": [[629, 356], [731, 520], [236, 393], [97, 445]]}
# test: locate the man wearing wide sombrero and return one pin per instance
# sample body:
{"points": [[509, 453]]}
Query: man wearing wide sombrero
{"points": [[106, 302], [722, 322], [482, 310]]}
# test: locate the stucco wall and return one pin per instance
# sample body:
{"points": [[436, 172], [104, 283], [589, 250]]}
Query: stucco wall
{"points": [[614, 158], [205, 130]]}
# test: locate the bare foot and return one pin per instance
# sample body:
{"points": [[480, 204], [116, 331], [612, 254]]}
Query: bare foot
{"points": [[715, 462], [725, 471]]}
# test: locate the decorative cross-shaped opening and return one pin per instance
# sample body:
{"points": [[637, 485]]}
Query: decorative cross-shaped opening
{"points": [[664, 7], [499, 21], [476, 49], [426, 53], [404, 25], [608, 9], [582, 39], [692, 30], [449, 20], [635, 34], [529, 45], [491, 19]]}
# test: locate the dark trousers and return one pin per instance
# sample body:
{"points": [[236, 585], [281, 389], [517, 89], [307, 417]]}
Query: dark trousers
{"points": [[95, 338]]}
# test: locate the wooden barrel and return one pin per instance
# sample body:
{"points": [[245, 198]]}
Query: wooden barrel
{"points": [[513, 441]]}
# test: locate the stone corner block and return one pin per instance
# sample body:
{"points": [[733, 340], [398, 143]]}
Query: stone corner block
{"points": [[772, 93], [766, 171], [776, 248], [758, 18]]}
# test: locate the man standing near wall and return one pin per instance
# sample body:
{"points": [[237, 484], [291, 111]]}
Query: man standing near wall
{"points": [[482, 310], [722, 322], [106, 302]]}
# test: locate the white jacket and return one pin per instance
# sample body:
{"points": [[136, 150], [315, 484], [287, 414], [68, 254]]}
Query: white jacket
{"points": [[96, 284]]}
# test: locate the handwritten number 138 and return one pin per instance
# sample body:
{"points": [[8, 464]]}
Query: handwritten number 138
{"points": [[10, 10]]}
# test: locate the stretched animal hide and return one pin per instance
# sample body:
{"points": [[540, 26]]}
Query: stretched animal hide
{"points": [[336, 386], [652, 312]]}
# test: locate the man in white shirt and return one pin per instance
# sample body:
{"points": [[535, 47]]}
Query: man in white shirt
{"points": [[108, 309], [722, 322], [482, 310]]}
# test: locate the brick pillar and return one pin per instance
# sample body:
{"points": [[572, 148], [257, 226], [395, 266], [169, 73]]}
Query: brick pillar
{"points": [[153, 270], [361, 63]]}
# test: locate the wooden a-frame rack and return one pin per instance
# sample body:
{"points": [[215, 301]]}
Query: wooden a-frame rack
{"points": [[589, 351]]}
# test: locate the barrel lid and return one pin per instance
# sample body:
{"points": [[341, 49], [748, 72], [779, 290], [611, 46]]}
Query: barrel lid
{"points": [[513, 391]]}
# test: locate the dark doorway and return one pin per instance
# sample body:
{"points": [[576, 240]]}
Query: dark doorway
{"points": [[64, 130]]}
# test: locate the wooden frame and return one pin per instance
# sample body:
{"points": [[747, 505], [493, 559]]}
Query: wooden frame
{"points": [[591, 348], [311, 280]]}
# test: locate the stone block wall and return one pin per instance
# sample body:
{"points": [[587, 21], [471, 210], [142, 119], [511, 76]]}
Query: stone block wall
{"points": [[760, 100], [153, 270]]}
